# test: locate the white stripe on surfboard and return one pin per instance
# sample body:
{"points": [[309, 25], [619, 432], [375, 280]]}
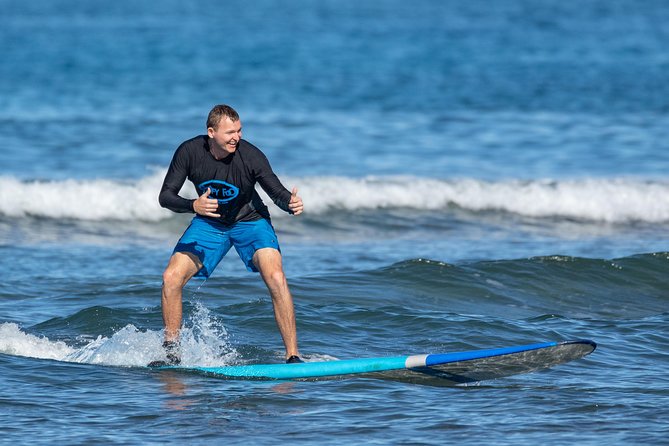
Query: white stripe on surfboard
{"points": [[415, 361]]}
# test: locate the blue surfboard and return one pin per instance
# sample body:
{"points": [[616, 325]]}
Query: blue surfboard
{"points": [[434, 369]]}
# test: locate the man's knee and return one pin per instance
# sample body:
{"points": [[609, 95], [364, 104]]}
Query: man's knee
{"points": [[172, 278], [276, 277], [268, 262]]}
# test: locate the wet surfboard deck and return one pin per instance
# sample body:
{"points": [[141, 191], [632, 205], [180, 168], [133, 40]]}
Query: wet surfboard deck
{"points": [[433, 369]]}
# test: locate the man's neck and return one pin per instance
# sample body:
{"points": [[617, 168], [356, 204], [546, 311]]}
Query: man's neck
{"points": [[217, 152]]}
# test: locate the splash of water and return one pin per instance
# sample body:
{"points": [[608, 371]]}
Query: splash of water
{"points": [[204, 341]]}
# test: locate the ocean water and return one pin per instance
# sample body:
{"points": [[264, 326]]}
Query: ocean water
{"points": [[475, 175]]}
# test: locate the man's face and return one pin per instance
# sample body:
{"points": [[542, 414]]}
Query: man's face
{"points": [[227, 134]]}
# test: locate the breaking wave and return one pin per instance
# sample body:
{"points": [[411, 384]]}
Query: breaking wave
{"points": [[615, 200]]}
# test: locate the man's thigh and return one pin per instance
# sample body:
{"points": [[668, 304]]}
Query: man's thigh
{"points": [[207, 241], [250, 237]]}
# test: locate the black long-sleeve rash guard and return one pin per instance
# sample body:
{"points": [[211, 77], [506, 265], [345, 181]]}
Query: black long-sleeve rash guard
{"points": [[231, 181]]}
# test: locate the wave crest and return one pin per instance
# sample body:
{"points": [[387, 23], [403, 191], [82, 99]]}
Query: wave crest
{"points": [[614, 200]]}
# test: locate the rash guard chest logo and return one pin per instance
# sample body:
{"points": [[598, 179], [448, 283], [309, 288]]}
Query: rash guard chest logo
{"points": [[220, 190]]}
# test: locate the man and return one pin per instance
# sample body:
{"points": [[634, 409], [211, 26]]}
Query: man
{"points": [[229, 212]]}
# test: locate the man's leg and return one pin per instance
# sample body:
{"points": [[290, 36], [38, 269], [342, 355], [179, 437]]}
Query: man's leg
{"points": [[181, 268], [268, 262]]}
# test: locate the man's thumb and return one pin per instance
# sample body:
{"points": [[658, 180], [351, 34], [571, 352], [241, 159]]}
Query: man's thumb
{"points": [[294, 192]]}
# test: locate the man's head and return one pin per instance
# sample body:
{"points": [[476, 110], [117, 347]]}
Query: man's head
{"points": [[219, 112], [224, 128]]}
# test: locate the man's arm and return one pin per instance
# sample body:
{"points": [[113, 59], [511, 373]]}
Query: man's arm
{"points": [[286, 200], [174, 179]]}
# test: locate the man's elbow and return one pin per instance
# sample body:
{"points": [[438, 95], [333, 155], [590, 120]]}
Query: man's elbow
{"points": [[163, 200]]}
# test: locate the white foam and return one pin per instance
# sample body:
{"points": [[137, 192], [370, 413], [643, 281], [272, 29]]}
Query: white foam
{"points": [[83, 199], [610, 200], [204, 343], [127, 347], [15, 342], [600, 199]]}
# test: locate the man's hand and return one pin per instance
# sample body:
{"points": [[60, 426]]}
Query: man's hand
{"points": [[206, 206], [295, 204]]}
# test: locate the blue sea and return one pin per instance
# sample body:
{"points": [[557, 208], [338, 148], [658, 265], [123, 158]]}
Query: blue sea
{"points": [[475, 175]]}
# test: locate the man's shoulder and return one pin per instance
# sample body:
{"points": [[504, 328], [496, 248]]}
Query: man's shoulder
{"points": [[250, 152], [196, 142], [246, 146]]}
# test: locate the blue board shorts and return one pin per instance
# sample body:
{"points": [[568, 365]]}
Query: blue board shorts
{"points": [[210, 241]]}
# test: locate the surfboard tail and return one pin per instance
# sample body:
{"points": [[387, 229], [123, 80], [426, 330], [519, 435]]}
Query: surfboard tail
{"points": [[483, 365]]}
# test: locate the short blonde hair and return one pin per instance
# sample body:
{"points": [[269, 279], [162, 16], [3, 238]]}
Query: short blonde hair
{"points": [[219, 112]]}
